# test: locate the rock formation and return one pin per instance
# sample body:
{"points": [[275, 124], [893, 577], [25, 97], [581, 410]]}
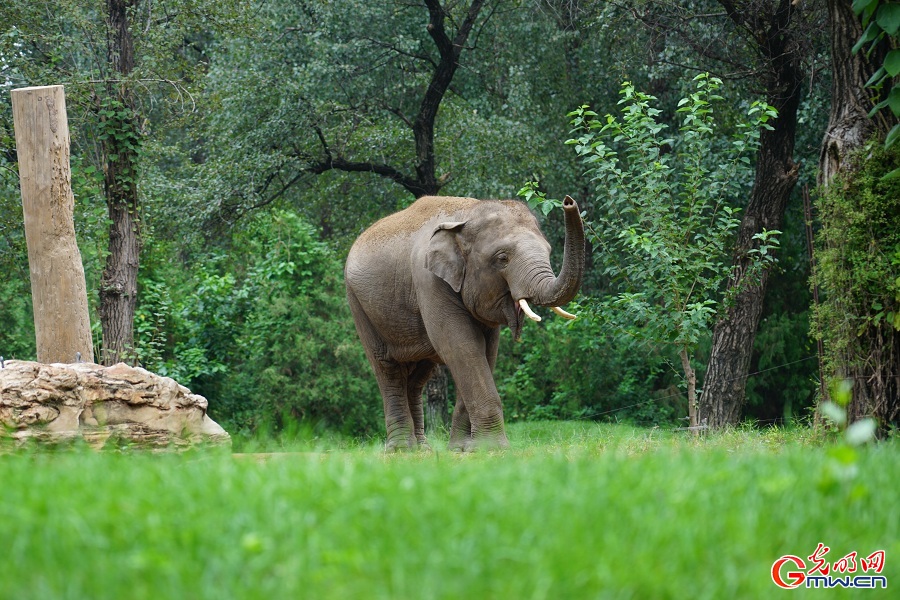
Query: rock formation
{"points": [[117, 405]]}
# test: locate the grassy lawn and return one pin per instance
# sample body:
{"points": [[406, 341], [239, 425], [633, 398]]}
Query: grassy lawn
{"points": [[575, 510]]}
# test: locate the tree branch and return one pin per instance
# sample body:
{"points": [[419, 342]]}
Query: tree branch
{"points": [[413, 186], [393, 48], [423, 126]]}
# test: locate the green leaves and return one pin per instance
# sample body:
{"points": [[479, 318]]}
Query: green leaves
{"points": [[536, 198], [888, 18], [861, 5], [663, 224], [861, 432], [892, 62], [857, 433], [892, 101], [891, 139], [858, 268], [885, 24]]}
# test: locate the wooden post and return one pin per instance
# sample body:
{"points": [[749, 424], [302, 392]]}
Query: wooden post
{"points": [[58, 288]]}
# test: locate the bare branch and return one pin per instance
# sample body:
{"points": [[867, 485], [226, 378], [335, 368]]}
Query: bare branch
{"points": [[399, 114], [412, 185], [393, 48]]}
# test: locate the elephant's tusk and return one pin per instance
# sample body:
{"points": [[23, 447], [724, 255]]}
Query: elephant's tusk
{"points": [[564, 314], [527, 310]]}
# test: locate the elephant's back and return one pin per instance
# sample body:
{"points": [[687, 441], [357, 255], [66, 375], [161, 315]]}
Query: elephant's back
{"points": [[411, 219]]}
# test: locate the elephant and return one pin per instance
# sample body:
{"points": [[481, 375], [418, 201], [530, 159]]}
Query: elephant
{"points": [[432, 284]]}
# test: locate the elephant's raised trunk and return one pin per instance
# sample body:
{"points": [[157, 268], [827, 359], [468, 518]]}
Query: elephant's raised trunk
{"points": [[555, 291]]}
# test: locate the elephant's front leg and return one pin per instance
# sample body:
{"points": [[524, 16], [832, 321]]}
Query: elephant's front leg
{"points": [[478, 415], [461, 429], [481, 408]]}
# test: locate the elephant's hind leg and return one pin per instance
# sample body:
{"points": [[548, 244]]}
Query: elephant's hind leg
{"points": [[460, 427], [392, 378], [398, 419], [419, 376]]}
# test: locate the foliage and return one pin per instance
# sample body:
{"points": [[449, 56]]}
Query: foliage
{"points": [[568, 513], [231, 95], [666, 222], [299, 352], [881, 20], [664, 219], [16, 318], [17, 338], [784, 370], [17, 335], [270, 340], [584, 370], [348, 77], [858, 271], [778, 394], [842, 467], [125, 66]]}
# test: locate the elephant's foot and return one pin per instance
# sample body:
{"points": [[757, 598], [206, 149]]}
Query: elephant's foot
{"points": [[479, 444], [401, 443], [458, 440], [409, 443], [457, 445]]}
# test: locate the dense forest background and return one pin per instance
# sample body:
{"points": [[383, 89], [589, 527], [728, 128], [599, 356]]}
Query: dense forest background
{"points": [[244, 144]]}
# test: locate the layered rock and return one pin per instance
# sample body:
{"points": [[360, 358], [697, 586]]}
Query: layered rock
{"points": [[117, 405]]}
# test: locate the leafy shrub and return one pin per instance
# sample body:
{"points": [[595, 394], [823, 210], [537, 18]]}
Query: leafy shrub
{"points": [[265, 334], [16, 320], [583, 370], [665, 216]]}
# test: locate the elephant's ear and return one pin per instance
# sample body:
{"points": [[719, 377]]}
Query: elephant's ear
{"points": [[444, 257]]}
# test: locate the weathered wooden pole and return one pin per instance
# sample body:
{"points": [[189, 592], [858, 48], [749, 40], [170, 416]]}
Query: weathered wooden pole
{"points": [[58, 288]]}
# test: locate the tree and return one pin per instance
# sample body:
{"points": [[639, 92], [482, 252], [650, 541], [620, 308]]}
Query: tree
{"points": [[771, 27], [849, 125], [763, 43], [859, 259], [334, 128], [425, 181], [120, 139], [365, 84], [665, 227], [120, 71]]}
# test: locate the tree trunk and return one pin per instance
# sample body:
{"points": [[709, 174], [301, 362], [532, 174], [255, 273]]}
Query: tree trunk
{"points": [[776, 175], [870, 360], [119, 140], [437, 404], [849, 126], [58, 288]]}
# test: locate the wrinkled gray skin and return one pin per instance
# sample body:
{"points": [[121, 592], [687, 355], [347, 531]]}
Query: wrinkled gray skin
{"points": [[433, 284]]}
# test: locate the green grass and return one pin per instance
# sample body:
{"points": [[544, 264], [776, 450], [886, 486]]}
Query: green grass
{"points": [[574, 511]]}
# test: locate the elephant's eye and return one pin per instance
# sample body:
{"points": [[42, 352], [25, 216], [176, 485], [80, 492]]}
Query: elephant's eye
{"points": [[501, 259]]}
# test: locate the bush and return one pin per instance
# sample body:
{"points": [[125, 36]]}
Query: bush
{"points": [[16, 320], [582, 370], [264, 333], [665, 218]]}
